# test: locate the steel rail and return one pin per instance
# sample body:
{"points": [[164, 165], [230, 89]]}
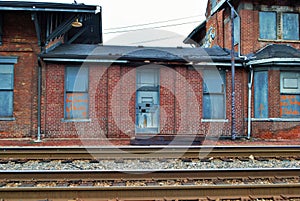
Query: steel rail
{"points": [[156, 192], [147, 152], [148, 174]]}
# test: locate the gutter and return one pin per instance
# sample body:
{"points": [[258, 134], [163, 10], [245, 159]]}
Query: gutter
{"points": [[34, 9], [270, 60], [84, 60]]}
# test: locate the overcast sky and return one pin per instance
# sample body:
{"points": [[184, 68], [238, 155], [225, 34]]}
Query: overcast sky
{"points": [[168, 22]]}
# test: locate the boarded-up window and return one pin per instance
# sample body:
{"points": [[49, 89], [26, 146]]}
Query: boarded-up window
{"points": [[261, 94], [267, 25], [290, 26], [6, 90], [290, 94], [214, 94], [236, 23], [279, 25], [76, 97]]}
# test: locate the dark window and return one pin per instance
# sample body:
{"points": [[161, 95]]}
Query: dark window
{"points": [[290, 94], [214, 94], [290, 26], [267, 25], [76, 96], [6, 90], [261, 94]]}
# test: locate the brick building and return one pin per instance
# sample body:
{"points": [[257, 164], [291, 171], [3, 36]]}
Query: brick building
{"points": [[59, 82], [266, 35], [28, 29], [148, 95]]}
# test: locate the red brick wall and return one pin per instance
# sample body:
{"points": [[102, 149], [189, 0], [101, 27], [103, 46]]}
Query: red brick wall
{"points": [[250, 42], [112, 104], [19, 39], [275, 129]]}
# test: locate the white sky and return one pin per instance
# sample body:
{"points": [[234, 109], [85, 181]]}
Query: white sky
{"points": [[121, 13]]}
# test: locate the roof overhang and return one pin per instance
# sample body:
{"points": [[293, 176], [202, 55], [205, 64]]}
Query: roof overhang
{"points": [[275, 61], [218, 7], [80, 53], [47, 7]]}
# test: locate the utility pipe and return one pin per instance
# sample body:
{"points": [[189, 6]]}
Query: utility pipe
{"points": [[249, 102]]}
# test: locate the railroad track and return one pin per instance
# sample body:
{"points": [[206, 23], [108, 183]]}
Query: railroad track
{"points": [[147, 152], [207, 173], [238, 184]]}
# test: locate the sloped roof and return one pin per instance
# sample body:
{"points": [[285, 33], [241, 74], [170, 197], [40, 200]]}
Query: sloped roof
{"points": [[277, 51], [180, 54]]}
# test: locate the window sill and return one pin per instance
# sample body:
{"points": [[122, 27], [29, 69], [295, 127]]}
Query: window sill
{"points": [[214, 120], [275, 119], [279, 41], [75, 120], [7, 118]]}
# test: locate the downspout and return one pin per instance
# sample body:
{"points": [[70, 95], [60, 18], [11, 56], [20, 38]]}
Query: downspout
{"points": [[34, 18], [39, 100], [233, 131], [249, 102], [233, 120]]}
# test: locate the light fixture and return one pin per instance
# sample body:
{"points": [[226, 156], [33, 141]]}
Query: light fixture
{"points": [[76, 23]]}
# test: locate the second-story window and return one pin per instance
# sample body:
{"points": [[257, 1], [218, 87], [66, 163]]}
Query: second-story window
{"points": [[213, 3], [278, 26], [290, 26], [267, 25]]}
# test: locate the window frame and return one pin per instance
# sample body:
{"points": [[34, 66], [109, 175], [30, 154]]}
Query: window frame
{"points": [[262, 94], [9, 61], [294, 92], [209, 94], [260, 24], [279, 26], [282, 26], [70, 91]]}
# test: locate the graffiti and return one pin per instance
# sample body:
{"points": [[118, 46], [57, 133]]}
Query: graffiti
{"points": [[210, 36], [77, 105], [290, 105]]}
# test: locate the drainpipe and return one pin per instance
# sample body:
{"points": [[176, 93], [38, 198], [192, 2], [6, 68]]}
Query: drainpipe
{"points": [[233, 120], [234, 12], [39, 100], [249, 102]]}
